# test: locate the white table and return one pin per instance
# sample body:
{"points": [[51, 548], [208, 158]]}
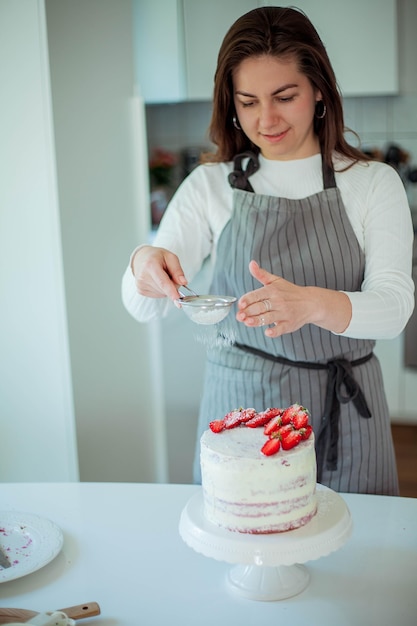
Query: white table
{"points": [[123, 550]]}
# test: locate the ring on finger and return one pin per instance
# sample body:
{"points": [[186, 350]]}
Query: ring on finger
{"points": [[267, 305], [261, 321]]}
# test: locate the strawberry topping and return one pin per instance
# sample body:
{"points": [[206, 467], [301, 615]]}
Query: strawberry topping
{"points": [[284, 428]]}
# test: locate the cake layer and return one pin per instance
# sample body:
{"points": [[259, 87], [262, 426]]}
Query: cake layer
{"points": [[248, 492]]}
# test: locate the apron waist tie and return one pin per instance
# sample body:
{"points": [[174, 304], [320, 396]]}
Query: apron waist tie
{"points": [[340, 375]]}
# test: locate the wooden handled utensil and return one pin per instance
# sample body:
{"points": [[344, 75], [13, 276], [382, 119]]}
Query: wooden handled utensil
{"points": [[80, 611]]}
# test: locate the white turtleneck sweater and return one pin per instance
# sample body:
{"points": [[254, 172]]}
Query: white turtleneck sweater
{"points": [[376, 205]]}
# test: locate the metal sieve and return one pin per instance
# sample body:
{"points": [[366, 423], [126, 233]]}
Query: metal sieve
{"points": [[205, 309]]}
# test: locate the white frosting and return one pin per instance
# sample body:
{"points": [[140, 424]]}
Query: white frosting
{"points": [[252, 493]]}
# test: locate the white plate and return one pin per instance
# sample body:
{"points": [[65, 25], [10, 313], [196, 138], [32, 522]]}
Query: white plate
{"points": [[29, 541]]}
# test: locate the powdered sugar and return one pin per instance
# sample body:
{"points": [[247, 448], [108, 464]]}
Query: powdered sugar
{"points": [[207, 316], [207, 310]]}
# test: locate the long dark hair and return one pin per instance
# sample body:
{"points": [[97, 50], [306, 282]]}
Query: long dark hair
{"points": [[284, 33]]}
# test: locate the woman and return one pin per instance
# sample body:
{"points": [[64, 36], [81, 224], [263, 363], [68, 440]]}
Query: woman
{"points": [[313, 237]]}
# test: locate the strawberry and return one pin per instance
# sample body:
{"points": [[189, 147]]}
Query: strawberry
{"points": [[272, 426], [233, 418], [282, 431], [262, 418], [273, 412], [289, 412], [274, 423], [290, 439], [217, 426], [271, 446], [295, 414], [306, 431], [286, 417], [300, 419], [247, 414]]}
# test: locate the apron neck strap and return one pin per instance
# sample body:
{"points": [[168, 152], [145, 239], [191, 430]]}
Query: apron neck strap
{"points": [[329, 181], [238, 179]]}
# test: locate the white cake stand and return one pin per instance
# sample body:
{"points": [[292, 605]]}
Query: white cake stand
{"points": [[268, 567]]}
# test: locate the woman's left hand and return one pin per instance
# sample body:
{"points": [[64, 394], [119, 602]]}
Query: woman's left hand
{"points": [[285, 307]]}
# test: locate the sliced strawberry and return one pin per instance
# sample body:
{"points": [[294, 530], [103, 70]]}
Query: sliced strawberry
{"points": [[290, 439], [260, 419], [233, 418], [217, 426], [273, 412], [247, 414], [306, 431], [286, 417], [271, 446], [272, 426], [275, 422], [282, 430], [295, 414], [300, 420], [289, 412]]}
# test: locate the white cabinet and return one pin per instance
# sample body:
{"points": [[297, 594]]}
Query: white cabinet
{"points": [[205, 25], [177, 42], [361, 41], [158, 43]]}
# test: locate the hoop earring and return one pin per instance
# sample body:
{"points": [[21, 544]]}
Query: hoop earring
{"points": [[235, 123], [320, 109]]}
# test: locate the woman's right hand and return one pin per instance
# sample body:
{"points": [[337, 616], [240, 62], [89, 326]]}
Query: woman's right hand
{"points": [[157, 272]]}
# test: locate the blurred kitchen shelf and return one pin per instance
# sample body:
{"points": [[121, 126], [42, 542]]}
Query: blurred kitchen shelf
{"points": [[405, 442]]}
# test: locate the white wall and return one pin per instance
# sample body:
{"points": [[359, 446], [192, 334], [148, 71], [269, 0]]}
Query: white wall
{"points": [[73, 190], [103, 195], [37, 431]]}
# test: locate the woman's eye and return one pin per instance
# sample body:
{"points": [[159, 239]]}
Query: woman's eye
{"points": [[285, 98], [246, 104]]}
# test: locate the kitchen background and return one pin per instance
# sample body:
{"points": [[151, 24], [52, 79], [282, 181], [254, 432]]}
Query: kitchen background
{"points": [[85, 392]]}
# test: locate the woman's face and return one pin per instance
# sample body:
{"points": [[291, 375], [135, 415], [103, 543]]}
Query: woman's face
{"points": [[275, 106]]}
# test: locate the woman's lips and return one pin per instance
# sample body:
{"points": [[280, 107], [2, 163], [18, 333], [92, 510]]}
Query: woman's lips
{"points": [[274, 138]]}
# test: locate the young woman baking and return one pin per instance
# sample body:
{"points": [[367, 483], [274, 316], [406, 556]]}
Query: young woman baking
{"points": [[313, 237]]}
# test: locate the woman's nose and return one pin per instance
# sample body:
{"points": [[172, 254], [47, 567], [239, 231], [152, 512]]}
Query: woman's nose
{"points": [[268, 116]]}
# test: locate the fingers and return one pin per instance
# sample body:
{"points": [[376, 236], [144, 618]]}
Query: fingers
{"points": [[276, 305], [253, 320], [275, 330], [157, 272], [255, 308], [260, 274]]}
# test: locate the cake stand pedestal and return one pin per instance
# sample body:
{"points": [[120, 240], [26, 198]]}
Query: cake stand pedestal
{"points": [[269, 567]]}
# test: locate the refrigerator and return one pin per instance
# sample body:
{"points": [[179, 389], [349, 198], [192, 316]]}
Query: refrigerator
{"points": [[80, 388]]}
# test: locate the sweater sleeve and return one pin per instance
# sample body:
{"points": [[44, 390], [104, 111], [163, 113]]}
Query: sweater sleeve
{"points": [[381, 309], [189, 228]]}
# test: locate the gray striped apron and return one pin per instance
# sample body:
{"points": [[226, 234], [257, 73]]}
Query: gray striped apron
{"points": [[308, 242]]}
